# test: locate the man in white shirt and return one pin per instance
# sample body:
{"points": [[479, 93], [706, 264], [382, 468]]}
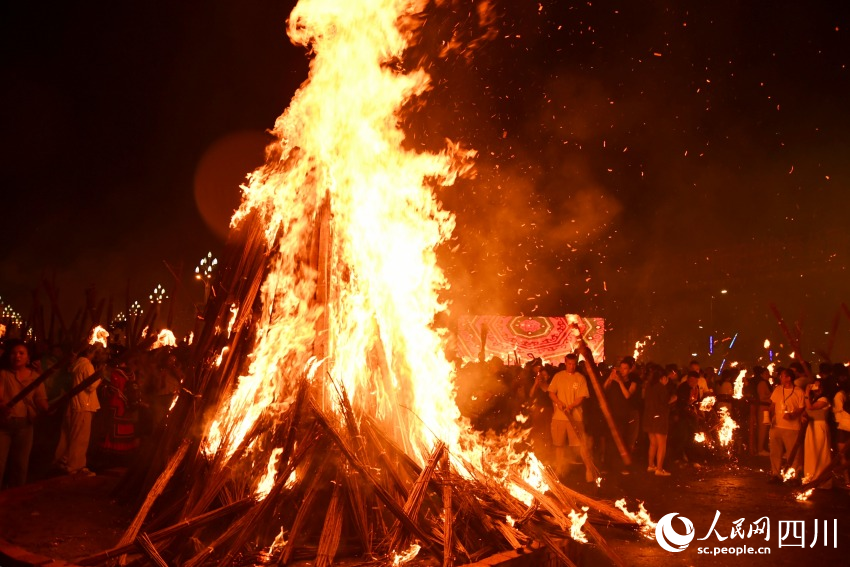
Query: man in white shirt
{"points": [[568, 391], [787, 404], [76, 425]]}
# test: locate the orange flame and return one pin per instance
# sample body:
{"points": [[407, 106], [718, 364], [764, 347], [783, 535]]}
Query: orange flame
{"points": [[411, 553], [99, 335], [727, 426], [803, 496], [165, 338], [739, 385], [340, 165], [642, 518], [267, 482], [639, 346], [707, 403], [576, 523]]}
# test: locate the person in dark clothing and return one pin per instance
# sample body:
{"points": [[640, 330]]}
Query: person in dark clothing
{"points": [[656, 418], [619, 388], [687, 400]]}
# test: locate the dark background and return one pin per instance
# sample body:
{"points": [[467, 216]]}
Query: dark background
{"points": [[635, 159]]}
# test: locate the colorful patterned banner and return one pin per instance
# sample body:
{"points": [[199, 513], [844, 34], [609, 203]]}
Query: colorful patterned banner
{"points": [[523, 338]]}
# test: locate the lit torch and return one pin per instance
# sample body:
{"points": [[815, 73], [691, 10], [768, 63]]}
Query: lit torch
{"points": [[739, 385], [165, 338], [99, 335], [639, 346]]}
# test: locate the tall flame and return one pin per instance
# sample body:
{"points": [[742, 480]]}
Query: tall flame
{"points": [[341, 174]]}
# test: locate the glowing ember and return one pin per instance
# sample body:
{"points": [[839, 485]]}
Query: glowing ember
{"points": [[739, 385], [707, 403], [647, 526], [576, 523], [727, 426], [510, 521], [407, 555], [789, 474], [165, 338], [803, 496], [98, 335], [766, 343], [699, 437], [771, 368], [599, 481], [521, 418], [190, 338]]}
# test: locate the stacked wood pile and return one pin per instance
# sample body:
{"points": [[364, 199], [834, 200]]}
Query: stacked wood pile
{"points": [[342, 489]]}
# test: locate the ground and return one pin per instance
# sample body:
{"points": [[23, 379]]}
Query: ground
{"points": [[69, 518]]}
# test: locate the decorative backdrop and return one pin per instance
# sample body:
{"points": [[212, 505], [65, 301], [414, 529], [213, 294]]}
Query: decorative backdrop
{"points": [[523, 338]]}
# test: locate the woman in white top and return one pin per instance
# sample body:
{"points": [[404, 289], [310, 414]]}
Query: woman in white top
{"points": [[816, 457]]}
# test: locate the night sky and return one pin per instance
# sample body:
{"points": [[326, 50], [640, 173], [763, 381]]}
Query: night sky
{"points": [[635, 159]]}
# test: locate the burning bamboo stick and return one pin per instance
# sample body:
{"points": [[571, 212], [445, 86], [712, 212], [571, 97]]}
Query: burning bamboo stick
{"points": [[149, 549], [566, 494], [170, 531], [158, 487], [585, 351], [448, 528], [380, 492], [414, 499], [304, 510], [359, 511], [329, 540]]}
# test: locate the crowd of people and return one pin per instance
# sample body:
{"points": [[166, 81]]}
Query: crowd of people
{"points": [[67, 413], [649, 415], [101, 404]]}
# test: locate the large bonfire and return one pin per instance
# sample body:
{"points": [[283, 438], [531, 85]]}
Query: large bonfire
{"points": [[330, 427]]}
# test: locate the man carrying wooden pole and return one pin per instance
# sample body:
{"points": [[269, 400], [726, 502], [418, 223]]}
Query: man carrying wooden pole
{"points": [[568, 391]]}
